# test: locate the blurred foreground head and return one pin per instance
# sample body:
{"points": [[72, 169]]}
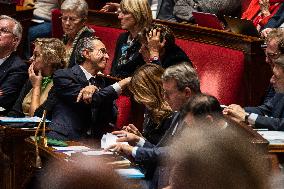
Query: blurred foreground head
{"points": [[208, 158], [84, 173]]}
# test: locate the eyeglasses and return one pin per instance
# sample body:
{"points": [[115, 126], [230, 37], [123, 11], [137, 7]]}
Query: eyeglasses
{"points": [[273, 55], [5, 31], [103, 50], [71, 19]]}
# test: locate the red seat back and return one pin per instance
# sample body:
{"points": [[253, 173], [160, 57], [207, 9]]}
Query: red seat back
{"points": [[220, 70]]}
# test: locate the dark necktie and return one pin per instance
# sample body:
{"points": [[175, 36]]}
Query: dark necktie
{"points": [[92, 81]]}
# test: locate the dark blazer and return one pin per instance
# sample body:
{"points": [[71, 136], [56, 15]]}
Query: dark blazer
{"points": [[72, 120], [150, 155], [271, 113], [17, 110], [13, 75], [153, 132], [276, 20], [133, 59]]}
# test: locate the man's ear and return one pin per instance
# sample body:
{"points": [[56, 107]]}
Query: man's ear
{"points": [[188, 92], [86, 54], [16, 42]]}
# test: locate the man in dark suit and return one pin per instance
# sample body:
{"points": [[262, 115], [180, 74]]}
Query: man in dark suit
{"points": [[269, 115], [180, 82], [85, 104], [13, 71]]}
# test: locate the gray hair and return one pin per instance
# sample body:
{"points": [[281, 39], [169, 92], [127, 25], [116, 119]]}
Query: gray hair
{"points": [[85, 43], [280, 61], [17, 30], [79, 6], [185, 76]]}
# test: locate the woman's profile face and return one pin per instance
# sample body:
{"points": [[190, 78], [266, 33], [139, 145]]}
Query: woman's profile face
{"points": [[71, 23], [127, 20], [37, 59]]}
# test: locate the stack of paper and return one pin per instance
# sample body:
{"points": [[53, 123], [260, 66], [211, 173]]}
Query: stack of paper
{"points": [[71, 149], [108, 140], [274, 137], [21, 120]]}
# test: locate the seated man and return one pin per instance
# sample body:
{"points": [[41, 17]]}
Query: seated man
{"points": [[85, 105], [275, 47], [203, 109], [270, 115], [14, 72]]}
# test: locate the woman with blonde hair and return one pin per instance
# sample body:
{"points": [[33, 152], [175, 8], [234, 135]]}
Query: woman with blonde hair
{"points": [[134, 16], [146, 87], [37, 93]]}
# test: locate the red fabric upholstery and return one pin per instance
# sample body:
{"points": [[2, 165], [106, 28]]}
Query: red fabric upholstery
{"points": [[220, 70], [245, 4], [56, 29]]}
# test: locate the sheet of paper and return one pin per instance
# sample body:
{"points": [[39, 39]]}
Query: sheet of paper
{"points": [[21, 120], [109, 139], [274, 137], [97, 153], [71, 148], [130, 173]]}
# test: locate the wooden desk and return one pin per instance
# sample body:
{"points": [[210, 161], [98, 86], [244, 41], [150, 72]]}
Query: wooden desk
{"points": [[13, 157]]}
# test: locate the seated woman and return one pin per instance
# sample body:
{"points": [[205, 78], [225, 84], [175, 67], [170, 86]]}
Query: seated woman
{"points": [[158, 46], [74, 17], [260, 11], [146, 87], [37, 93], [134, 16]]}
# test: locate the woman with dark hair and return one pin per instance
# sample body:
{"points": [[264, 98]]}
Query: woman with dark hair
{"points": [[158, 47], [37, 93]]}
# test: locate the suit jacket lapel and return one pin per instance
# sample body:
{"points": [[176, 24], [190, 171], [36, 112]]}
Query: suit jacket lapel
{"points": [[77, 71], [279, 108], [159, 7], [171, 131], [5, 66]]}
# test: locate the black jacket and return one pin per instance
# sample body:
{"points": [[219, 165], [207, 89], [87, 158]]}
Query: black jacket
{"points": [[13, 75]]}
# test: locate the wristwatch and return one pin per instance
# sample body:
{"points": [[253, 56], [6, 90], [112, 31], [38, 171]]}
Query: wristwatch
{"points": [[154, 59], [246, 118]]}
